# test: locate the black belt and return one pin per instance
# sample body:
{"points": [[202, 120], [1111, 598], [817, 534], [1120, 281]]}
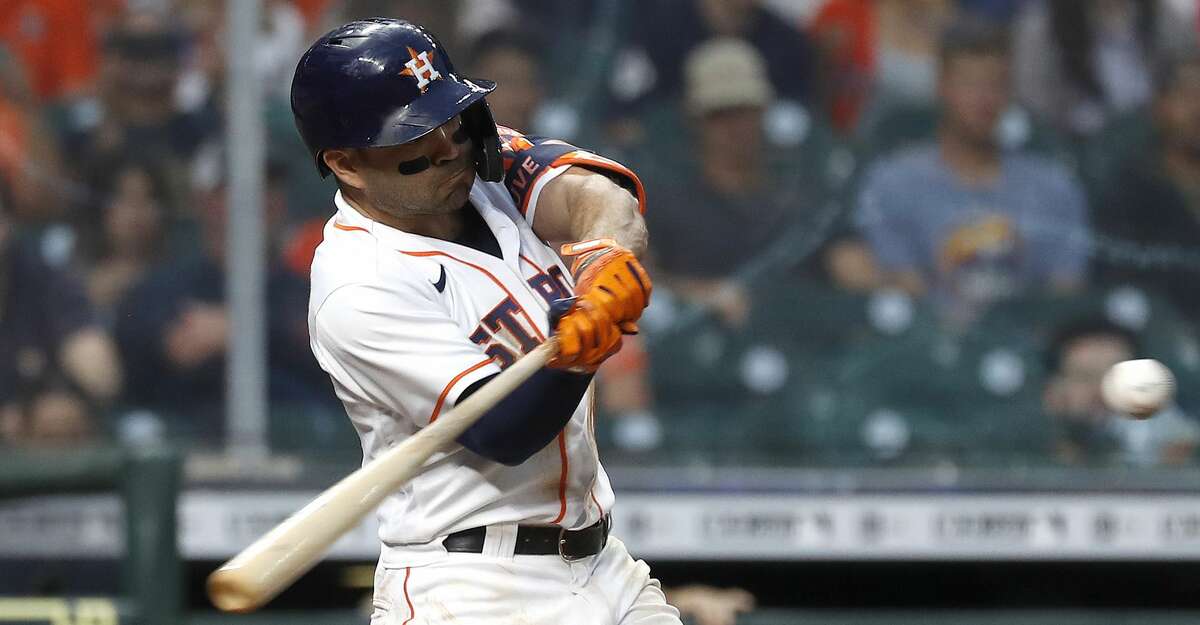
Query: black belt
{"points": [[539, 540]]}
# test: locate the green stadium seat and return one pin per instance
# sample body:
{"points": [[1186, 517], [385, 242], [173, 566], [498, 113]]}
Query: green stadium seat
{"points": [[693, 363], [1127, 135], [813, 318], [947, 395], [313, 431]]}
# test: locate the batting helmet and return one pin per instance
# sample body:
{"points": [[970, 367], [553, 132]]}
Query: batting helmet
{"points": [[381, 82]]}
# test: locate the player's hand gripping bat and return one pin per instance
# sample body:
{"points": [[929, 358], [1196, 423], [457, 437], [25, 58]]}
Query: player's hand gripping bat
{"points": [[262, 570]]}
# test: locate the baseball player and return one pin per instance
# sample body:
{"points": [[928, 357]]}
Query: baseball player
{"points": [[436, 272]]}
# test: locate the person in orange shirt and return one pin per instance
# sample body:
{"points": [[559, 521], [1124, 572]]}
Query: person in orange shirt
{"points": [[55, 41], [877, 52]]}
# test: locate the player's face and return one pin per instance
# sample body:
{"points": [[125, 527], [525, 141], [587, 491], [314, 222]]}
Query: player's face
{"points": [[430, 176]]}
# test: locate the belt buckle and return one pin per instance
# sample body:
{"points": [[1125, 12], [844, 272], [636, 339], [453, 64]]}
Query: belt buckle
{"points": [[562, 542]]}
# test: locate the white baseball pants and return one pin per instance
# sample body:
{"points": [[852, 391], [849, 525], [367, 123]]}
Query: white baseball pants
{"points": [[609, 588]]}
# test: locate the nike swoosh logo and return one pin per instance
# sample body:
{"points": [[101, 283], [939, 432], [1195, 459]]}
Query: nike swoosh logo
{"points": [[440, 285]]}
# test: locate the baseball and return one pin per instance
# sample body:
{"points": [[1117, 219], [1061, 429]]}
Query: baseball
{"points": [[1138, 388]]}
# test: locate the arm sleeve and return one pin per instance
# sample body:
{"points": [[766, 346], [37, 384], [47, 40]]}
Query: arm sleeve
{"points": [[528, 418], [397, 350], [531, 162]]}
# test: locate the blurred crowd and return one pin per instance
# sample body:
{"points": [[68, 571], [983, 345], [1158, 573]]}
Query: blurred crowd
{"points": [[880, 229]]}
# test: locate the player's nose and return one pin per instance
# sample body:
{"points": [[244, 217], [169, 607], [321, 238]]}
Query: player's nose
{"points": [[445, 149]]}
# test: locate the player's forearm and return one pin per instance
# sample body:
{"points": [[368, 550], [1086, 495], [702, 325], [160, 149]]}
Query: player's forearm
{"points": [[604, 210], [581, 205]]}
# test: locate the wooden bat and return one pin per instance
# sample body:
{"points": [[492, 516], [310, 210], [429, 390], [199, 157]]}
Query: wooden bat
{"points": [[262, 570]]}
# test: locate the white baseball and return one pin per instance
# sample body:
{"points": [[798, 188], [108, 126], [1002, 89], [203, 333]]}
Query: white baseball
{"points": [[1138, 388]]}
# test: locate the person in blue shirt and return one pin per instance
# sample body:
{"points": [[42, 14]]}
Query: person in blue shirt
{"points": [[961, 219]]}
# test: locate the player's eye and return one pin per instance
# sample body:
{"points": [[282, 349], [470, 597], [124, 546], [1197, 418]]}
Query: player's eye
{"points": [[414, 166], [460, 136]]}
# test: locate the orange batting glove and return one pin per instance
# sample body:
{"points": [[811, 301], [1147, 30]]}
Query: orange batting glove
{"points": [[610, 277], [587, 336]]}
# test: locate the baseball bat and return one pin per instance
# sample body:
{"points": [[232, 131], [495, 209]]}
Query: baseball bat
{"points": [[262, 570]]}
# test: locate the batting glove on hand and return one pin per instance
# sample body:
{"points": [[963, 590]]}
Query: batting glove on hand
{"points": [[610, 277], [587, 336]]}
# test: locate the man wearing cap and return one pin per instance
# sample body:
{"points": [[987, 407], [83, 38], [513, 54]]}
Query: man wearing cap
{"points": [[737, 184], [436, 272]]}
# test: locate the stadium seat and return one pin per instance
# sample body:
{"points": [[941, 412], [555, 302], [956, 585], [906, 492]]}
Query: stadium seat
{"points": [[1163, 331], [1106, 151], [944, 395], [812, 318], [313, 430]]}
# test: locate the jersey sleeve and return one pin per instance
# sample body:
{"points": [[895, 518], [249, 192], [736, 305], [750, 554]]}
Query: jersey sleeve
{"points": [[531, 162], [398, 351]]}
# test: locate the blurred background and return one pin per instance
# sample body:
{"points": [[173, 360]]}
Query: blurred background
{"points": [[896, 244]]}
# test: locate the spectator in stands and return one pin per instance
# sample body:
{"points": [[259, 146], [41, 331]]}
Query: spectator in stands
{"points": [[1002, 11], [878, 54], [137, 110], [1087, 431], [651, 67], [29, 159], [128, 236], [1079, 62], [512, 61], [565, 21], [441, 17], [173, 328], [733, 203], [961, 219], [57, 366], [1148, 218], [278, 44], [55, 42]]}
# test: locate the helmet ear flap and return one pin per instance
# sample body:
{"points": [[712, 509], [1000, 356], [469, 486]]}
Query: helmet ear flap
{"points": [[481, 127]]}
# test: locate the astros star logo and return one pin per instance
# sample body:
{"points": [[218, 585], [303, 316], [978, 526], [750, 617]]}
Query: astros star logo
{"points": [[420, 66]]}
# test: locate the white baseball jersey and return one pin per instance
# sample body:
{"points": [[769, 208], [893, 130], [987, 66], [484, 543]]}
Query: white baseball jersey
{"points": [[405, 323]]}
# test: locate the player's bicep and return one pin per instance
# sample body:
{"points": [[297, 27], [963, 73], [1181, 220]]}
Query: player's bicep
{"points": [[405, 357], [533, 165], [552, 218]]}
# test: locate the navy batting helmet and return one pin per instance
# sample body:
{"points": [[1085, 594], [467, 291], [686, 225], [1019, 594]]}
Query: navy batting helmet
{"points": [[381, 82]]}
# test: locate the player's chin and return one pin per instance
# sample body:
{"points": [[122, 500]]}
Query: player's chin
{"points": [[459, 187]]}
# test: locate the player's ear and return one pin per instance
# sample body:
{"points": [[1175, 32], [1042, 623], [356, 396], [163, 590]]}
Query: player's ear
{"points": [[346, 165]]}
